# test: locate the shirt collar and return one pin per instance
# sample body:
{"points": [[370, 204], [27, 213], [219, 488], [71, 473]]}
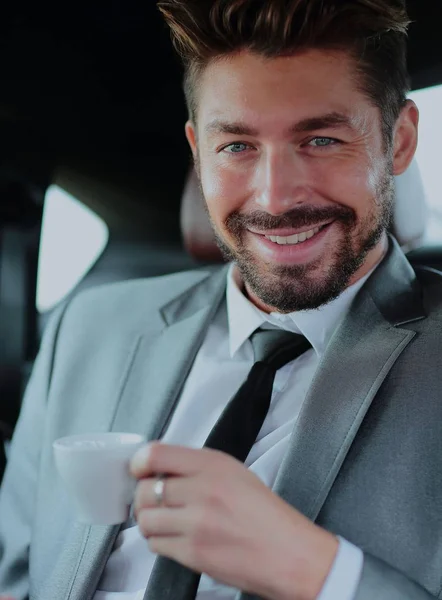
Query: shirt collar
{"points": [[316, 325]]}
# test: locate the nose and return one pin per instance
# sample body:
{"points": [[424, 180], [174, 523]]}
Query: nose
{"points": [[281, 181]]}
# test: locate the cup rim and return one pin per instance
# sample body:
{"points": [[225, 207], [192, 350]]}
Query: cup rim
{"points": [[64, 444]]}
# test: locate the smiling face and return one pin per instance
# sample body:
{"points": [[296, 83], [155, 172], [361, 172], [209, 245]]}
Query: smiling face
{"points": [[295, 173]]}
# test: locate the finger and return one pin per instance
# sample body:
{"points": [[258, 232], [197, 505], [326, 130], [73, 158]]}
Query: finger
{"points": [[157, 458], [178, 492], [162, 521]]}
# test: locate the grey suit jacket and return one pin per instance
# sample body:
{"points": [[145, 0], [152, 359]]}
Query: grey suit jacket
{"points": [[364, 460]]}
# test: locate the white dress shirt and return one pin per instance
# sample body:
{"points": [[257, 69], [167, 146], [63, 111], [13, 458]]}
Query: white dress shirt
{"points": [[221, 366]]}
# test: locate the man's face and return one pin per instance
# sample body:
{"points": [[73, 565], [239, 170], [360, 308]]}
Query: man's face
{"points": [[294, 171]]}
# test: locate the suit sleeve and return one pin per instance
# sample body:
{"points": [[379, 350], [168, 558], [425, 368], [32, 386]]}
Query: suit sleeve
{"points": [[19, 486], [380, 581]]}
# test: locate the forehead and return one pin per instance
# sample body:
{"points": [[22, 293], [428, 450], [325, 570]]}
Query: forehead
{"points": [[249, 87]]}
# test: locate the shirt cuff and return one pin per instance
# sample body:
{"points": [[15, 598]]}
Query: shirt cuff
{"points": [[343, 579]]}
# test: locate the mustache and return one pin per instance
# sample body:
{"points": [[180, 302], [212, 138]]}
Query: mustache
{"points": [[304, 216]]}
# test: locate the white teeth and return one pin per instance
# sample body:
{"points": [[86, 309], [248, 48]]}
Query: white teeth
{"points": [[292, 240], [281, 240]]}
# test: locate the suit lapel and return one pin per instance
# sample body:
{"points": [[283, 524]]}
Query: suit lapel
{"points": [[160, 365], [354, 367], [358, 359]]}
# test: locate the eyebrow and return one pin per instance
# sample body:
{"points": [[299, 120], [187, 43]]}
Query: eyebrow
{"points": [[326, 121]]}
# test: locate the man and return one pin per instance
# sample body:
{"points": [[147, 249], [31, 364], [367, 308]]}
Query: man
{"points": [[298, 122]]}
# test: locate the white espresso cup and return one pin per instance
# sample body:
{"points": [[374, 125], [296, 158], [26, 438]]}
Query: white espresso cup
{"points": [[95, 470]]}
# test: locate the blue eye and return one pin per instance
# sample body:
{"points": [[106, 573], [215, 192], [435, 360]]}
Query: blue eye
{"points": [[322, 142], [236, 148]]}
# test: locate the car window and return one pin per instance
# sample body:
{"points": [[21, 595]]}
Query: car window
{"points": [[73, 238], [429, 102]]}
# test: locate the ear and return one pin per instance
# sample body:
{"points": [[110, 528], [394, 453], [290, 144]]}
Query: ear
{"points": [[191, 138], [405, 138]]}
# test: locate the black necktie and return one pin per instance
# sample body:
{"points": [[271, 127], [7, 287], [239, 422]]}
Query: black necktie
{"points": [[234, 433]]}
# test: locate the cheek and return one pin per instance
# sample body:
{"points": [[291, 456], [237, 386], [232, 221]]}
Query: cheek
{"points": [[222, 192], [352, 187]]}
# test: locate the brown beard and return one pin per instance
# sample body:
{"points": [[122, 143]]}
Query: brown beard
{"points": [[289, 288]]}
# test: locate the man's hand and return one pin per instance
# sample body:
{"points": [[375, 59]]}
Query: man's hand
{"points": [[218, 518]]}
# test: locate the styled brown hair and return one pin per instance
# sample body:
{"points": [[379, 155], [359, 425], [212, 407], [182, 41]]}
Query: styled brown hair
{"points": [[373, 32]]}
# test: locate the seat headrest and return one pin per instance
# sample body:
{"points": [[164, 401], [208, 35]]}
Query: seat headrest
{"points": [[411, 212], [409, 223], [197, 232]]}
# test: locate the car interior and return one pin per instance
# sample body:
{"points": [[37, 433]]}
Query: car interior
{"points": [[92, 122]]}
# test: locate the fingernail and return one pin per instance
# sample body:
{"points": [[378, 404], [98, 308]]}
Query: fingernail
{"points": [[139, 459]]}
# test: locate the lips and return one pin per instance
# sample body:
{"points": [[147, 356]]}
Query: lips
{"points": [[287, 232], [292, 253]]}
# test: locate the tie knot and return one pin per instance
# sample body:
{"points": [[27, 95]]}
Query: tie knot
{"points": [[277, 347]]}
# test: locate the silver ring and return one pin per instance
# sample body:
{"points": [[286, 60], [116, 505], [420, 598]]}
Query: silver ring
{"points": [[158, 489]]}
